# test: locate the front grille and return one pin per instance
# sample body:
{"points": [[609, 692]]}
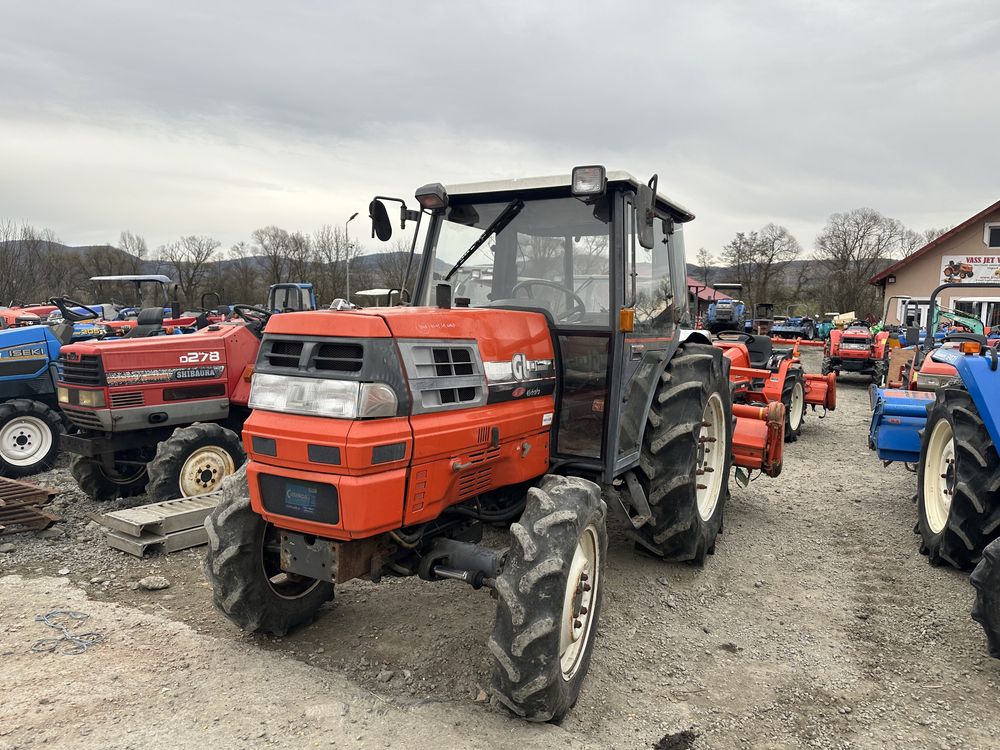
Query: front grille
{"points": [[83, 418], [128, 398], [84, 371], [339, 357], [284, 353]]}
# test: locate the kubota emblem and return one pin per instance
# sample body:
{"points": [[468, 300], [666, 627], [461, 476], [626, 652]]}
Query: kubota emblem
{"points": [[519, 366]]}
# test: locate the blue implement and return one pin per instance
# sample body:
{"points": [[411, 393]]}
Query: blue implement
{"points": [[898, 417]]}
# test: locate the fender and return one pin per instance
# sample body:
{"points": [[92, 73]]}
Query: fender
{"points": [[980, 378]]}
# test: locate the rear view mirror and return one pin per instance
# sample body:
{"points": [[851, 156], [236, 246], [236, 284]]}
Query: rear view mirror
{"points": [[381, 226], [645, 209]]}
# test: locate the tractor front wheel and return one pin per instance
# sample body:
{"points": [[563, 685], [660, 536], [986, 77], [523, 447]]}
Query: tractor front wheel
{"points": [[686, 455], [243, 564], [125, 478], [958, 509], [986, 611], [549, 599], [193, 461], [29, 437], [793, 396]]}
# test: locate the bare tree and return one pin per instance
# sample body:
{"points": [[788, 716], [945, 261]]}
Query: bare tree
{"points": [[272, 244], [242, 281], [300, 260], [188, 258], [759, 261], [705, 261], [852, 248], [135, 246]]}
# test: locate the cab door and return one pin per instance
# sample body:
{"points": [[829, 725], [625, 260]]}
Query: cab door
{"points": [[648, 288]]}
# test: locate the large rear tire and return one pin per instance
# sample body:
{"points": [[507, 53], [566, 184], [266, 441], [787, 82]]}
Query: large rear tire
{"points": [[194, 460], [793, 396], [549, 599], [686, 455], [103, 484], [243, 566], [958, 504], [30, 434], [986, 611]]}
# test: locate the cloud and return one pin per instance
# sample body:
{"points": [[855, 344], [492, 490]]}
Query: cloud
{"points": [[184, 117]]}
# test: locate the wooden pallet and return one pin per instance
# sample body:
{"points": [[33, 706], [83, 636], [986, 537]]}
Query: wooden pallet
{"points": [[168, 526], [21, 506]]}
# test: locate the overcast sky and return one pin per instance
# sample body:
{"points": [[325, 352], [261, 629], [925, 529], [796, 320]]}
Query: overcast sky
{"points": [[171, 118]]}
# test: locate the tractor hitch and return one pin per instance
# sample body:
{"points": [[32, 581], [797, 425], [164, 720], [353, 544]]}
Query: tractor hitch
{"points": [[474, 564]]}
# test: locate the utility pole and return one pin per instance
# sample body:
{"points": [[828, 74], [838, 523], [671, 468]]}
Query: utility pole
{"points": [[347, 242]]}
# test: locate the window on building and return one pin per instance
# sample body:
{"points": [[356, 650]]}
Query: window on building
{"points": [[992, 235]]}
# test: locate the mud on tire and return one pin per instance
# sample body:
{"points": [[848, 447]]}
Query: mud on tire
{"points": [[540, 657], [30, 435], [955, 531], [104, 484], [194, 460], [241, 564], [986, 611], [671, 447]]}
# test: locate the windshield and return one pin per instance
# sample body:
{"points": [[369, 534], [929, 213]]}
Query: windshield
{"points": [[553, 254]]}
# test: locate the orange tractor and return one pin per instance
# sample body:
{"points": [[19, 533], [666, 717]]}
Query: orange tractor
{"points": [[762, 374], [384, 440]]}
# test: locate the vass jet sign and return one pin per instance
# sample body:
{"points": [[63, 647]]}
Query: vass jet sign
{"points": [[958, 268]]}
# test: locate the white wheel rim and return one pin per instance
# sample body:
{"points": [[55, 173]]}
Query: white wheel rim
{"points": [[712, 452], [205, 469], [939, 476], [582, 585], [25, 441], [797, 406]]}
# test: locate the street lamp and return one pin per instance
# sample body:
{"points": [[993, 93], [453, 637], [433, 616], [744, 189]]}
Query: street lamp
{"points": [[348, 261]]}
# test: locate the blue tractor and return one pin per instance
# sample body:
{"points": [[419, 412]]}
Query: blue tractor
{"points": [[726, 314], [30, 421]]}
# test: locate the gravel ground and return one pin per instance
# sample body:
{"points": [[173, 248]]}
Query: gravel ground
{"points": [[816, 624]]}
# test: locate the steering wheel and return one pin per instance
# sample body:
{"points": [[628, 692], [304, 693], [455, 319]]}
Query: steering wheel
{"points": [[742, 336], [252, 313], [576, 311], [65, 303]]}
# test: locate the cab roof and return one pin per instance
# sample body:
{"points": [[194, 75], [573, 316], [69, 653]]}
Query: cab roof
{"points": [[134, 277], [520, 184]]}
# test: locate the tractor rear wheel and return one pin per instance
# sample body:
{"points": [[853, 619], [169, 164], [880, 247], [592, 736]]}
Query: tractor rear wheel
{"points": [[958, 507], [686, 455], [549, 599], [986, 611], [243, 564], [29, 437], [102, 483], [193, 461], [793, 396]]}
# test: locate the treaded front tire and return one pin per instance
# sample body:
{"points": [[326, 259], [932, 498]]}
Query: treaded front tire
{"points": [[793, 393], [986, 611], [242, 566], [684, 525], [103, 485], [30, 435], [958, 483], [540, 654], [194, 460]]}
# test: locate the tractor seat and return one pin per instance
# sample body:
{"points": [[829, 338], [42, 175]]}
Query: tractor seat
{"points": [[149, 322], [759, 349]]}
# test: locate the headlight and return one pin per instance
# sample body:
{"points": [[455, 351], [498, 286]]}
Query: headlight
{"points": [[62, 394], [932, 382], [93, 399], [340, 399]]}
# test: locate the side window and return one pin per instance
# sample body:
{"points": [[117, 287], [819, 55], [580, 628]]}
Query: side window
{"points": [[654, 295]]}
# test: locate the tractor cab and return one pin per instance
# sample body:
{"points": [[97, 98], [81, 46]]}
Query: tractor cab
{"points": [[290, 297], [599, 256]]}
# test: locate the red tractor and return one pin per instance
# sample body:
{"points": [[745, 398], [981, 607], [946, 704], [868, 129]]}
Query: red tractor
{"points": [[161, 414], [762, 374], [856, 349], [384, 440]]}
